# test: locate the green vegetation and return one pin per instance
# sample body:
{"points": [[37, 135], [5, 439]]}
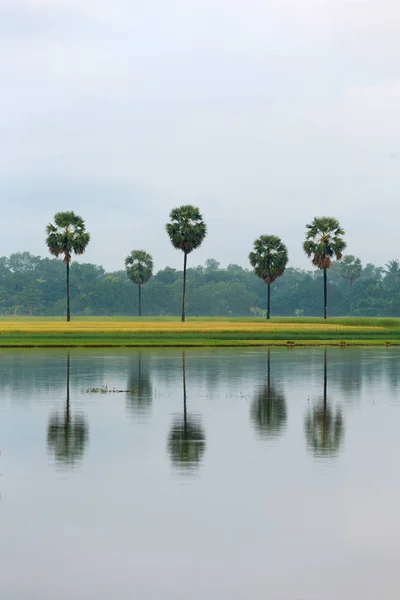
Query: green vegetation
{"points": [[186, 231], [139, 268], [67, 236], [269, 261]]}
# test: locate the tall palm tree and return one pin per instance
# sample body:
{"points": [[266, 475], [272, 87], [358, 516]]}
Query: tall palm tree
{"points": [[67, 436], [186, 441], [268, 410], [350, 270], [186, 231], [269, 261], [66, 236], [139, 268], [324, 429], [323, 242]]}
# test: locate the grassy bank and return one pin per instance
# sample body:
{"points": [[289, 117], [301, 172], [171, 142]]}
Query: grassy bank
{"points": [[168, 331]]}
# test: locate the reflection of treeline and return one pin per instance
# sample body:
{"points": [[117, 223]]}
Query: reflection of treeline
{"points": [[34, 285], [214, 371]]}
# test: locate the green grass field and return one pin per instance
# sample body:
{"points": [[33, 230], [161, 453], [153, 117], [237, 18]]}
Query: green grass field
{"points": [[169, 331]]}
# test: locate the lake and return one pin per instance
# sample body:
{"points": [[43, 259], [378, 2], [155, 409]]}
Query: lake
{"points": [[161, 474]]}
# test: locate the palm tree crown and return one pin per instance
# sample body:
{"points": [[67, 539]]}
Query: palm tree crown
{"points": [[269, 258], [67, 235], [324, 241], [139, 266], [187, 229]]}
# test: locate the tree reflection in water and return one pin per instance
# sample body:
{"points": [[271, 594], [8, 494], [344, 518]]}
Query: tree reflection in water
{"points": [[186, 441], [268, 410], [140, 396], [324, 427], [67, 435]]}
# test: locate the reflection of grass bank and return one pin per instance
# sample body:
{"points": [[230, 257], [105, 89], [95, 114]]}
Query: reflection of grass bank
{"points": [[125, 331]]}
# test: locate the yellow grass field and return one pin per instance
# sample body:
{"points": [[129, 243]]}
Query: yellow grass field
{"points": [[169, 331]]}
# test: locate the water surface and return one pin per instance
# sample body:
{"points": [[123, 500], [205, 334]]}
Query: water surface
{"points": [[216, 473]]}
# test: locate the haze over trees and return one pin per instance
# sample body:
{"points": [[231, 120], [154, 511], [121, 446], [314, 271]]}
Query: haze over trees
{"points": [[186, 231], [139, 268], [32, 285], [67, 236]]}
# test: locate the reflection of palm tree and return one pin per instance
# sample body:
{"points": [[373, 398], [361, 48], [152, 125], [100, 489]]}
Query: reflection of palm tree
{"points": [[67, 436], [186, 441], [324, 428], [140, 394], [268, 410]]}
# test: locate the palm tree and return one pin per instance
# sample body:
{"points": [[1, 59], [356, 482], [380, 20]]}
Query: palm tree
{"points": [[269, 261], [350, 270], [323, 242], [67, 436], [139, 268], [392, 271], [324, 429], [186, 231], [268, 410], [68, 235], [186, 441]]}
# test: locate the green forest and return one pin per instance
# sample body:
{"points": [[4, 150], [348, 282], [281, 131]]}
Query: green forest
{"points": [[32, 285]]}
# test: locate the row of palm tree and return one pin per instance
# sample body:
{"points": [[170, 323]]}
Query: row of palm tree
{"points": [[187, 230]]}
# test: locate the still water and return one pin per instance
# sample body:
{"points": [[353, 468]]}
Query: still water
{"points": [[226, 474]]}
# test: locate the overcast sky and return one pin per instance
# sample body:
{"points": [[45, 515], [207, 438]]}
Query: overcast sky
{"points": [[263, 113]]}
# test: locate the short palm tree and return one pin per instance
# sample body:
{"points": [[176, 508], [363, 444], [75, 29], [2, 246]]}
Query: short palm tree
{"points": [[392, 271], [269, 261], [66, 236], [323, 242], [186, 231], [350, 270], [139, 268]]}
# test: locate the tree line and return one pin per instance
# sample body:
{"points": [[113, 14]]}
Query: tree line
{"points": [[33, 285], [187, 230]]}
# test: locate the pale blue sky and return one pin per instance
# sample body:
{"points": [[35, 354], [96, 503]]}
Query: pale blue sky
{"points": [[262, 113]]}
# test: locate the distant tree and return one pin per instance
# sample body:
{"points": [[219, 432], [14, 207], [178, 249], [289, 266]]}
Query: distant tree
{"points": [[269, 261], [350, 270], [139, 268], [323, 242], [186, 231], [392, 271], [68, 235]]}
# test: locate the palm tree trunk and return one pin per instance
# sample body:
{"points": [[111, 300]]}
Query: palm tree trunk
{"points": [[269, 301], [140, 300], [325, 295], [68, 294], [184, 389], [184, 289]]}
